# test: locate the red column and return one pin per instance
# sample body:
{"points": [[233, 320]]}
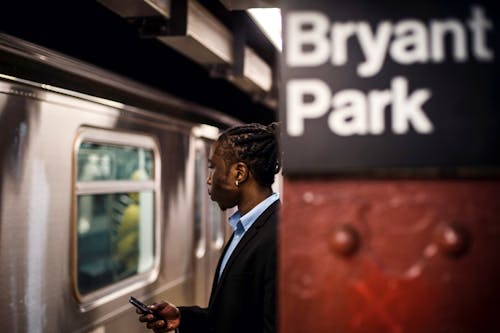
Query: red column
{"points": [[389, 256]]}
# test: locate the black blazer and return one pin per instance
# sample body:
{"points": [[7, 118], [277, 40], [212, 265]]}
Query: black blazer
{"points": [[244, 300]]}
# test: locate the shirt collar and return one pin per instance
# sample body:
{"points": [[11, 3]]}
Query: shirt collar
{"points": [[249, 218]]}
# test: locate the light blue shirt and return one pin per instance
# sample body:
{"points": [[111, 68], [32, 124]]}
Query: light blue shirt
{"points": [[241, 224]]}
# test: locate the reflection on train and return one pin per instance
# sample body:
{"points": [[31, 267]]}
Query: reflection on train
{"points": [[100, 197]]}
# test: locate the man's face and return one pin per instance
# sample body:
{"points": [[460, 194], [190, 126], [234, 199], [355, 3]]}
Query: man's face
{"points": [[221, 180]]}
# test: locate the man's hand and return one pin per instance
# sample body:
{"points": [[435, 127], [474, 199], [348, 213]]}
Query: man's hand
{"points": [[170, 314]]}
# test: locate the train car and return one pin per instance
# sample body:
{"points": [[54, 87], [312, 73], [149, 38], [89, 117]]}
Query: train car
{"points": [[102, 195]]}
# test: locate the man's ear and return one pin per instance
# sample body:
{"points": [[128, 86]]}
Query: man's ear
{"points": [[242, 172]]}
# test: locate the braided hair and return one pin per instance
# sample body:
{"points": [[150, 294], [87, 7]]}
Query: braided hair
{"points": [[257, 146]]}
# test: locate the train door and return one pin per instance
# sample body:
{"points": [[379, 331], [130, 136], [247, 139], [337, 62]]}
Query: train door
{"points": [[210, 227]]}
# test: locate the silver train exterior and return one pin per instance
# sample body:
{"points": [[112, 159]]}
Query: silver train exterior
{"points": [[70, 162]]}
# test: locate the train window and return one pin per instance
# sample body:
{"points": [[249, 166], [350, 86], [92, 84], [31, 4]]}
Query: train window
{"points": [[200, 178], [215, 217], [107, 162], [116, 190], [209, 224], [217, 221]]}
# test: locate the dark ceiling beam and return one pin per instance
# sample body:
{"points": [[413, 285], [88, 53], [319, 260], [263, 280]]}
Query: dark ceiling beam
{"points": [[204, 39]]}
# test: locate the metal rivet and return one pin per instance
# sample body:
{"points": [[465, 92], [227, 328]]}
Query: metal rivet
{"points": [[344, 240], [452, 239]]}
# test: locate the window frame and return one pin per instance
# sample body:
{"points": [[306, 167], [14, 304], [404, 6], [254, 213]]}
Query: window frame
{"points": [[108, 293]]}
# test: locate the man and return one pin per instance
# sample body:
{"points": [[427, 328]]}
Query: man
{"points": [[242, 163]]}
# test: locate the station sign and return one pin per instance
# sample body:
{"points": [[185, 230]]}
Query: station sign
{"points": [[389, 84]]}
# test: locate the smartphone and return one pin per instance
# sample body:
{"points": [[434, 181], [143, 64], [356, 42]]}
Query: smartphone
{"points": [[144, 308], [141, 306]]}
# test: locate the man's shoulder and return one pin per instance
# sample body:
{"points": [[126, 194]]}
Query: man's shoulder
{"points": [[270, 214]]}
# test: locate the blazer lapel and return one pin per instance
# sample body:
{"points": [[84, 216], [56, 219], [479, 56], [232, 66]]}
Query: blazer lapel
{"points": [[249, 235], [217, 270]]}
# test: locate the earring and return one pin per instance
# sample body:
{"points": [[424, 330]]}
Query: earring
{"points": [[236, 183]]}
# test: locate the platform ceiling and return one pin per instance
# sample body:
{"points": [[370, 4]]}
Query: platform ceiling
{"points": [[88, 31]]}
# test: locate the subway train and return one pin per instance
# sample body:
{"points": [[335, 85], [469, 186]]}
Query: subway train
{"points": [[102, 195]]}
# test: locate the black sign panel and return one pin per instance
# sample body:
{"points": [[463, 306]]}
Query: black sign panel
{"points": [[389, 84]]}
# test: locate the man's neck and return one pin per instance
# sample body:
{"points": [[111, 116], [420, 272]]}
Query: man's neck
{"points": [[251, 200]]}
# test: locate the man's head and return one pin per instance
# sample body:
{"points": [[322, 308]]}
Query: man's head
{"points": [[247, 153]]}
